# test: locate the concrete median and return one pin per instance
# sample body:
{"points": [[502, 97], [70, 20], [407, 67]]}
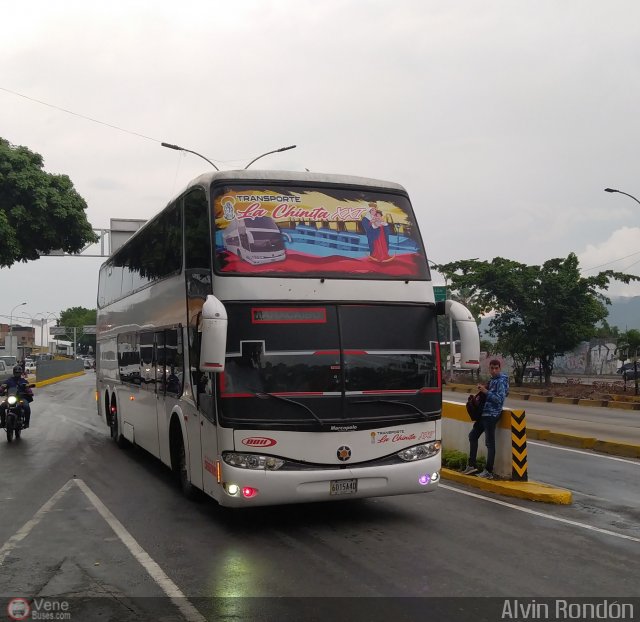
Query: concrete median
{"points": [[532, 491]]}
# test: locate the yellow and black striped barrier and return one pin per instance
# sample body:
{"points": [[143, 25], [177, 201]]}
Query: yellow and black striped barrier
{"points": [[519, 447]]}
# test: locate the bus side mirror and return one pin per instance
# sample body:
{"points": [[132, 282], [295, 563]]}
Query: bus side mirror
{"points": [[213, 327], [469, 335]]}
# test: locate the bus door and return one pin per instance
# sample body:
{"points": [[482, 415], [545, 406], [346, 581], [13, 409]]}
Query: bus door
{"points": [[169, 390], [209, 433]]}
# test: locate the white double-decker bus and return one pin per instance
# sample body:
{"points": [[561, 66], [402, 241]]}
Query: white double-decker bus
{"points": [[311, 378]]}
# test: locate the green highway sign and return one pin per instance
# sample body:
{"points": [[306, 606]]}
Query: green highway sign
{"points": [[440, 292]]}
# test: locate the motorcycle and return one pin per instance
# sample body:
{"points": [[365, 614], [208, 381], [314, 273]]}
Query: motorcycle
{"points": [[14, 418]]}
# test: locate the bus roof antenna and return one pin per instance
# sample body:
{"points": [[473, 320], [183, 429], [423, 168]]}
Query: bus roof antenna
{"points": [[268, 153]]}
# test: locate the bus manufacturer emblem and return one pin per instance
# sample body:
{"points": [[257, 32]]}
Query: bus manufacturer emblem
{"points": [[344, 453], [259, 441]]}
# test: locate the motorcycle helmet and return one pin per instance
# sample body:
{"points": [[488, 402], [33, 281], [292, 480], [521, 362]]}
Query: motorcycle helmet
{"points": [[17, 371]]}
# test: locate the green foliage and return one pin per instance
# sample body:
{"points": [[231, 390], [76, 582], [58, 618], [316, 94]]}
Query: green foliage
{"points": [[540, 311], [628, 346], [606, 331], [39, 211], [457, 460], [79, 317]]}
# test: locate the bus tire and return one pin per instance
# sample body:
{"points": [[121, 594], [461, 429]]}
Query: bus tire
{"points": [[179, 463], [117, 437]]}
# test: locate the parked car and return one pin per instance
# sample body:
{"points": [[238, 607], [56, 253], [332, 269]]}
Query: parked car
{"points": [[9, 361], [532, 372], [29, 367], [5, 372], [624, 368], [89, 363]]}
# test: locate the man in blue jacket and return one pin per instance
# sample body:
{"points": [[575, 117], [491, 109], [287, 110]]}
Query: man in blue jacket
{"points": [[496, 392]]}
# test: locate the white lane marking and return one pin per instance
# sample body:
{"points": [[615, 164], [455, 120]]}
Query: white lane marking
{"points": [[23, 532], [566, 521], [585, 452], [145, 560]]}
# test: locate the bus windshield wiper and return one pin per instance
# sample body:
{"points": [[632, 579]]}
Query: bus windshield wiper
{"points": [[392, 402], [263, 395]]}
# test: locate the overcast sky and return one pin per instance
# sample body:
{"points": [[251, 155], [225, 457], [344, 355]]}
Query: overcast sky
{"points": [[504, 120]]}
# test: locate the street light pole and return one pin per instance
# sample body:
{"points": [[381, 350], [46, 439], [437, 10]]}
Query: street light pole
{"points": [[268, 153], [620, 192], [177, 148], [11, 326]]}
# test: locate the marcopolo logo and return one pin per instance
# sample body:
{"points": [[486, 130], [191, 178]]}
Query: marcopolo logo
{"points": [[259, 441], [18, 609]]}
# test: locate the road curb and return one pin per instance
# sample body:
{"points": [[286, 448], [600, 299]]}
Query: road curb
{"points": [[533, 491], [44, 383], [584, 442], [556, 399]]}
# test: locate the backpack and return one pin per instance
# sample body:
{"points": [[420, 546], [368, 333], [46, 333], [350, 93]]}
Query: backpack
{"points": [[475, 405]]}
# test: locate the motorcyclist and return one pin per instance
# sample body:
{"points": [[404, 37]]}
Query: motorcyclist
{"points": [[24, 392]]}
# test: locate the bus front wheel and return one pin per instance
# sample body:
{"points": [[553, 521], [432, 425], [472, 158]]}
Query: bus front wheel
{"points": [[180, 469]]}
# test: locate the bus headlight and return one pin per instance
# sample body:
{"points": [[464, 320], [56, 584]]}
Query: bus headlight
{"points": [[420, 452], [255, 462]]}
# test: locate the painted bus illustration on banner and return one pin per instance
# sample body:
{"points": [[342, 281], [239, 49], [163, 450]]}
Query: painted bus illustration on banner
{"points": [[308, 232], [255, 240]]}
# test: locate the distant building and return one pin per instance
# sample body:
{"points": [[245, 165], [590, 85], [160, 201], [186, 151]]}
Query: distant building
{"points": [[24, 338]]}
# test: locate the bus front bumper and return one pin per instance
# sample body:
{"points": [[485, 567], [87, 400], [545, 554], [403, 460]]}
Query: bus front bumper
{"points": [[247, 488]]}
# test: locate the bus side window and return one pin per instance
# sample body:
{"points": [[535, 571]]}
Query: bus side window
{"points": [[174, 361]]}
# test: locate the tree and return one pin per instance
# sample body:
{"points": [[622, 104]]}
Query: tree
{"points": [[607, 332], [80, 317], [39, 212], [540, 311], [628, 347]]}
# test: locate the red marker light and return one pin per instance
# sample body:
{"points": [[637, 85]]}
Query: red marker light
{"points": [[248, 492]]}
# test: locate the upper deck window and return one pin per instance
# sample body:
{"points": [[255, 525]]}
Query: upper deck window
{"points": [[292, 231]]}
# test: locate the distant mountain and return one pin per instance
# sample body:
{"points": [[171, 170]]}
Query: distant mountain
{"points": [[624, 312]]}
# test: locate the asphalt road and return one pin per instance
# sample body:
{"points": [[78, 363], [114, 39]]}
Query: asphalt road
{"points": [[108, 532]]}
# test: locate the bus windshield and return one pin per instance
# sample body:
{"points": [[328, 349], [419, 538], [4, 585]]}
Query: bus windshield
{"points": [[329, 359], [321, 231]]}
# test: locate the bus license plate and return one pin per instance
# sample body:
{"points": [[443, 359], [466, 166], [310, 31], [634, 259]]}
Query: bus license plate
{"points": [[344, 486]]}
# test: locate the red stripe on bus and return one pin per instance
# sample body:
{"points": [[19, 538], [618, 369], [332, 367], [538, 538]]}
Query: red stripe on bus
{"points": [[281, 393], [337, 352], [391, 392], [212, 364]]}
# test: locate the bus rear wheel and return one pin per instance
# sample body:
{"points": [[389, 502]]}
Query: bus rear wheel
{"points": [[119, 440]]}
